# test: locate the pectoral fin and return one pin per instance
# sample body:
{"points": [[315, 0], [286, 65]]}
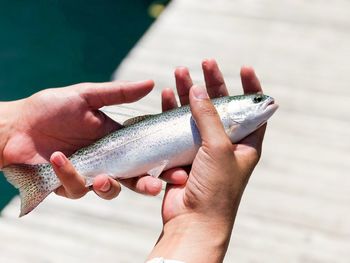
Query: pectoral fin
{"points": [[156, 171]]}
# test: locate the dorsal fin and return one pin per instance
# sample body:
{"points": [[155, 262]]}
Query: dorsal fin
{"points": [[135, 120]]}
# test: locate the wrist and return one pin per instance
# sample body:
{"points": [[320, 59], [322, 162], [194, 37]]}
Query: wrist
{"points": [[191, 238], [9, 114]]}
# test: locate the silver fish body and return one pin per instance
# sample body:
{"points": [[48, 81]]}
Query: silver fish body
{"points": [[160, 142], [164, 140]]}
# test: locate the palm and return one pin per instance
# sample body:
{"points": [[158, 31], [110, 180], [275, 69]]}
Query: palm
{"points": [[60, 120], [178, 199], [65, 120]]}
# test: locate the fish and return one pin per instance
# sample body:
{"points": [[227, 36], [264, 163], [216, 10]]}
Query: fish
{"points": [[146, 145]]}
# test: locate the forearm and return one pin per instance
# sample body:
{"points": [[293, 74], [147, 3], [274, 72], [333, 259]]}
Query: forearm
{"points": [[194, 240]]}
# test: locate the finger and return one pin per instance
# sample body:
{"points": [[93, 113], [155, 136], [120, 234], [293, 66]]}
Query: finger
{"points": [[98, 95], [168, 100], [146, 185], [183, 84], [205, 115], [214, 80], [73, 184], [174, 176], [106, 187], [250, 81]]}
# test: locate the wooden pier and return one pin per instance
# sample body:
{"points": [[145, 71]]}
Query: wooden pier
{"points": [[296, 207]]}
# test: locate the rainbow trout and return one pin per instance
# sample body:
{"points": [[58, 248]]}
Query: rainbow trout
{"points": [[149, 146]]}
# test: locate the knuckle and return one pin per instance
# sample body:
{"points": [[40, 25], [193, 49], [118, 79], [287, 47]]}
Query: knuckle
{"points": [[44, 96], [84, 85], [60, 192], [113, 193], [122, 94], [78, 193], [208, 110], [223, 146], [84, 88]]}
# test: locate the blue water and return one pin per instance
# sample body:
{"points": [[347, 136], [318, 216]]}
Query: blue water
{"points": [[51, 43]]}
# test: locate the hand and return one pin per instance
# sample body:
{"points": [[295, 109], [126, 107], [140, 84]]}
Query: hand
{"points": [[198, 216], [67, 119]]}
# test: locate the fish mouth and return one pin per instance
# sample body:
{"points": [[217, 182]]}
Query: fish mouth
{"points": [[269, 106]]}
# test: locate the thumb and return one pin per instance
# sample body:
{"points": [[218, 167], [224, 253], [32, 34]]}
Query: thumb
{"points": [[205, 115], [98, 95]]}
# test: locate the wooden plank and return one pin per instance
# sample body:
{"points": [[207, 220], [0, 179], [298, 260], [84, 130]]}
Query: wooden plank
{"points": [[295, 208]]}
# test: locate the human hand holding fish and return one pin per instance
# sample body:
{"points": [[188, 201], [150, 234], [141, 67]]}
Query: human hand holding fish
{"points": [[119, 153], [67, 119], [198, 216]]}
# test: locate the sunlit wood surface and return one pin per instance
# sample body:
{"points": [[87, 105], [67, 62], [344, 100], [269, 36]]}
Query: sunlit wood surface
{"points": [[297, 205]]}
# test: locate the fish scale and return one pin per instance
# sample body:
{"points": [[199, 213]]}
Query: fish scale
{"points": [[151, 145]]}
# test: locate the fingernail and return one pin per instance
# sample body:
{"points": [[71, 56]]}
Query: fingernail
{"points": [[181, 68], [200, 92], [59, 160], [205, 61], [106, 186]]}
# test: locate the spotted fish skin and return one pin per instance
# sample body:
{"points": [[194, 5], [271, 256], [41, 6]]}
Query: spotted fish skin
{"points": [[157, 143], [35, 183]]}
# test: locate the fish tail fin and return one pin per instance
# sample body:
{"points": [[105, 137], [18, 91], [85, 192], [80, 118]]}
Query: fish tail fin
{"points": [[34, 182]]}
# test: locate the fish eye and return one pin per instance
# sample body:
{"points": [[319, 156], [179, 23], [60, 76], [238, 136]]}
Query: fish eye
{"points": [[257, 98]]}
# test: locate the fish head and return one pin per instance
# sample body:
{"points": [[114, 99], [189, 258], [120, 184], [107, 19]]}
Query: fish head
{"points": [[247, 113]]}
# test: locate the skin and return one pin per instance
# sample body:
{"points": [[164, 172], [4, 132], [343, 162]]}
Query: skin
{"points": [[198, 216], [65, 120], [201, 201], [107, 188]]}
